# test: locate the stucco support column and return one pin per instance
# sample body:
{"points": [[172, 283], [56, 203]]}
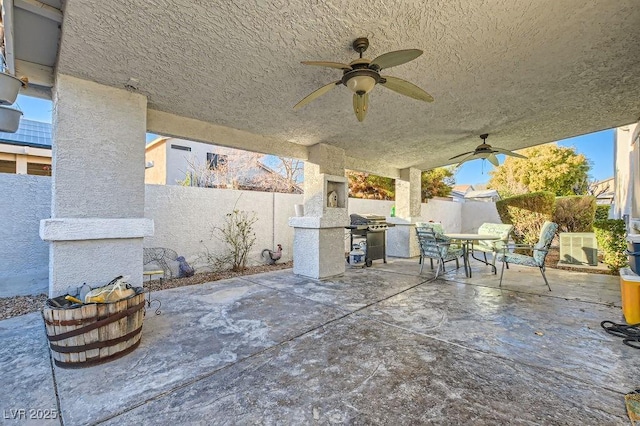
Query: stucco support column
{"points": [[402, 240], [97, 216], [318, 238]]}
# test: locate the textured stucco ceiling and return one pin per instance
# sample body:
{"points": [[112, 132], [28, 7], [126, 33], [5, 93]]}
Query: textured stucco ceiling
{"points": [[525, 72]]}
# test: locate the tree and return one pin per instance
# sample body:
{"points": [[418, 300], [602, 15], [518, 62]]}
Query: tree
{"points": [[288, 173], [437, 182], [434, 183], [548, 167], [366, 185], [238, 169], [230, 170]]}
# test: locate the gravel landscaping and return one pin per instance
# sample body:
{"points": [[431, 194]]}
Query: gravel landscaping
{"points": [[20, 305]]}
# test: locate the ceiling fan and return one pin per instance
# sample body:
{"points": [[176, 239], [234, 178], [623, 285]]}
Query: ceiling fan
{"points": [[486, 151], [361, 76]]}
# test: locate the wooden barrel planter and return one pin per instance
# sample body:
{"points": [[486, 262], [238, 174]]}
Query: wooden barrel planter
{"points": [[86, 335]]}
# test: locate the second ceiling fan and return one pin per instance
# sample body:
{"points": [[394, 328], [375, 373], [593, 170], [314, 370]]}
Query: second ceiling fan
{"points": [[361, 76], [486, 151]]}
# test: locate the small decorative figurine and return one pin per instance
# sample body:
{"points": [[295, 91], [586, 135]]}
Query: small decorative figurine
{"points": [[332, 199]]}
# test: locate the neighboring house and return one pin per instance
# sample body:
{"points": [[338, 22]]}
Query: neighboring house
{"points": [[28, 150], [462, 193], [173, 161], [603, 190], [459, 191], [488, 195]]}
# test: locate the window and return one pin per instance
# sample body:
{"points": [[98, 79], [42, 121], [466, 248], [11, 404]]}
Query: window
{"points": [[180, 147], [39, 169], [215, 160], [7, 166]]}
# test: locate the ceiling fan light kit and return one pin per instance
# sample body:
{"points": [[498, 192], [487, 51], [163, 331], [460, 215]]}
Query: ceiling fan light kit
{"points": [[360, 81], [362, 75]]}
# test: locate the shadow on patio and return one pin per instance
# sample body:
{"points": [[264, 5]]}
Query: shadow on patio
{"points": [[378, 345]]}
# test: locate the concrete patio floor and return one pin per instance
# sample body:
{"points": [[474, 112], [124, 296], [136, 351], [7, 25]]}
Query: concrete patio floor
{"points": [[381, 345]]}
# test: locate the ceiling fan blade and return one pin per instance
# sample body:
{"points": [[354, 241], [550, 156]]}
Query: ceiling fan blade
{"points": [[321, 91], [460, 155], [493, 160], [337, 65], [405, 88], [467, 158], [395, 58], [507, 152], [360, 105]]}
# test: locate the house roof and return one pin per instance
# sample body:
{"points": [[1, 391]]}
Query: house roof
{"points": [[603, 181], [157, 141], [485, 193], [30, 133], [463, 188]]}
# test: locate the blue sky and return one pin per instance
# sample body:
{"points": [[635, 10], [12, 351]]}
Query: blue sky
{"points": [[597, 147], [34, 108]]}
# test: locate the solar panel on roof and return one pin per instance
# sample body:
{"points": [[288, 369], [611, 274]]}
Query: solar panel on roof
{"points": [[30, 133]]}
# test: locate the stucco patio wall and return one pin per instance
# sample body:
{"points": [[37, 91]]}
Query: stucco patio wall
{"points": [[444, 211], [24, 257], [183, 219], [475, 213]]}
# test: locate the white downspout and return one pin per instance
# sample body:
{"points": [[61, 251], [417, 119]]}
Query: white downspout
{"points": [[7, 21]]}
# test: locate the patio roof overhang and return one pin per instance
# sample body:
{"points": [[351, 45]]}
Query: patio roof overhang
{"points": [[526, 73]]}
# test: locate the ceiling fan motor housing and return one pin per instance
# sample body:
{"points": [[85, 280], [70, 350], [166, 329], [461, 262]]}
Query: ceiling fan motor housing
{"points": [[484, 148]]}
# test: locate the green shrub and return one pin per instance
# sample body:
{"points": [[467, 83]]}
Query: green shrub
{"points": [[602, 212], [610, 235], [575, 213], [527, 213]]}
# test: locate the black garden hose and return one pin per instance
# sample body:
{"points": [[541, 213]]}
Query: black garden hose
{"points": [[629, 333]]}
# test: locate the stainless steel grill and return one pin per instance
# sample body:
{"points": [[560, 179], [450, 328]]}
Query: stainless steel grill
{"points": [[372, 229], [370, 222]]}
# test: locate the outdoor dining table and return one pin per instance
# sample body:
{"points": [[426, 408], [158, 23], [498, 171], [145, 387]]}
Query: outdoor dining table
{"points": [[467, 241]]}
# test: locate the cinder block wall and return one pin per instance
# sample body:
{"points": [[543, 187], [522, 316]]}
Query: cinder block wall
{"points": [[475, 213], [446, 212], [184, 218]]}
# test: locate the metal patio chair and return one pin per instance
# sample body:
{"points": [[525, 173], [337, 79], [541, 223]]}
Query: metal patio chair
{"points": [[160, 257], [493, 247], [540, 250], [436, 247]]}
